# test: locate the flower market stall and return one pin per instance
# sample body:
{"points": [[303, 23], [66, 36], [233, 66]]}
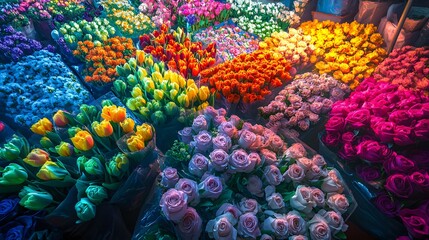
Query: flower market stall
{"points": [[214, 119]]}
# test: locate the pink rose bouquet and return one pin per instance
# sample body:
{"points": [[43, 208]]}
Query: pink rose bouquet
{"points": [[229, 179]]}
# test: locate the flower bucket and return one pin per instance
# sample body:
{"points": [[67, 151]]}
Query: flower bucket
{"points": [[44, 28]]}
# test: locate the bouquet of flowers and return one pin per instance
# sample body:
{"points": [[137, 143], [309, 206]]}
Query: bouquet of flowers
{"points": [[37, 85], [230, 179], [65, 10], [302, 102], [348, 51], [72, 32], [10, 15], [91, 11], [178, 51], [293, 45], [158, 95], [382, 132], [15, 45], [34, 9], [230, 41], [161, 11], [101, 59], [198, 14], [248, 77], [94, 151], [407, 67], [127, 22]]}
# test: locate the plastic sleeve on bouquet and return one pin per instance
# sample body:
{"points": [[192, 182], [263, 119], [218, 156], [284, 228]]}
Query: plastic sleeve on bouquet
{"points": [[167, 133], [138, 158]]}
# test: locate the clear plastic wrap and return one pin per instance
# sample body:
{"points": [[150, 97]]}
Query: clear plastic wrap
{"points": [[337, 7], [371, 11]]}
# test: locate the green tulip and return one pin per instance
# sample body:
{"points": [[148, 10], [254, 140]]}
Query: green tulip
{"points": [[46, 142], [107, 102], [145, 112], [131, 104], [119, 86], [13, 174], [132, 80], [81, 163], [158, 118], [73, 130], [118, 165], [96, 194], [9, 152], [171, 109], [93, 166], [35, 200], [133, 63], [141, 74], [85, 209]]}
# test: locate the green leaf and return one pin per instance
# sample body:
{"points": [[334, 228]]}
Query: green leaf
{"points": [[288, 195], [341, 235], [206, 204]]}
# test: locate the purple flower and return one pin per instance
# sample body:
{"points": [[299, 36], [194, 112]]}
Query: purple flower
{"points": [[185, 135], [198, 165], [219, 160], [203, 141], [222, 141], [169, 177], [174, 204], [211, 187], [190, 188]]}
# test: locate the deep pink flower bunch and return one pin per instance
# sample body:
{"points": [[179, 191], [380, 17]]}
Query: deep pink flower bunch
{"points": [[407, 67], [203, 13], [382, 130], [161, 11], [35, 9]]}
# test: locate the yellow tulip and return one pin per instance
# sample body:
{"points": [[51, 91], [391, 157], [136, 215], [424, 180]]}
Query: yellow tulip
{"points": [[140, 56], [60, 119], [149, 85], [157, 76], [135, 143], [127, 125], [158, 94], [191, 93], [42, 126], [83, 141], [114, 113], [103, 129], [136, 92], [65, 149], [182, 81], [183, 100], [204, 93], [37, 157], [145, 131], [51, 171]]}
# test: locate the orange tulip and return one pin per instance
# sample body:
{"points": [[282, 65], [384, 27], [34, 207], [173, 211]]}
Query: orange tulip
{"points": [[114, 113], [83, 141]]}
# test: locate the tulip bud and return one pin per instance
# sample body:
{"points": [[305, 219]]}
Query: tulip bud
{"points": [[107, 102], [35, 200], [120, 86], [13, 174], [45, 142], [173, 93], [203, 106], [65, 149], [149, 85], [171, 109], [158, 118], [121, 71], [127, 125], [182, 81], [164, 85], [156, 67], [93, 167], [118, 166], [157, 76], [114, 113], [73, 130], [103, 129], [135, 143], [83, 141], [131, 104], [132, 80], [9, 152], [146, 131], [158, 94], [183, 100], [37, 157], [52, 171], [136, 92], [60, 119], [167, 75], [145, 112], [85, 209], [156, 106], [204, 93], [133, 63], [42, 126], [190, 83], [161, 66], [96, 194], [127, 69], [140, 55], [149, 61], [81, 118], [141, 74]]}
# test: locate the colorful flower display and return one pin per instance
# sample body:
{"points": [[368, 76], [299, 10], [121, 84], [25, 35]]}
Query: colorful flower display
{"points": [[230, 41], [303, 102], [348, 51], [34, 9], [248, 77], [63, 10], [158, 95], [37, 86], [10, 15], [241, 181], [407, 67], [101, 59], [198, 14], [178, 51], [161, 11]]}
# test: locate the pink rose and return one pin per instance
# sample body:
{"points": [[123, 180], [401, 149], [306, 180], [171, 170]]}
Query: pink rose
{"points": [[277, 227], [358, 119], [174, 204], [200, 124], [254, 186], [169, 177], [276, 143], [298, 237], [219, 160], [190, 226], [296, 151], [222, 228], [248, 226], [222, 141], [228, 208], [399, 185], [247, 138], [218, 120], [275, 201], [211, 187], [296, 223], [198, 165], [302, 200], [269, 157], [399, 164], [273, 175], [228, 129], [385, 131], [189, 187], [421, 130], [403, 136], [334, 220], [305, 163], [235, 120], [338, 202], [373, 151], [203, 141], [319, 228], [266, 237], [315, 173], [335, 124], [210, 112], [319, 160], [294, 173], [248, 206], [332, 183], [239, 162], [318, 197]]}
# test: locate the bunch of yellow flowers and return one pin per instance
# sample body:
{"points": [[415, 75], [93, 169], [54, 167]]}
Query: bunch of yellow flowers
{"points": [[124, 18], [348, 51], [293, 45]]}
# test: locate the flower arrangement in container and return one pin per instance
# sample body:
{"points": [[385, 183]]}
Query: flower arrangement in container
{"points": [[348, 51], [228, 178], [10, 15], [95, 151], [230, 41], [197, 14], [65, 10], [158, 95], [381, 131], [161, 11], [101, 59], [293, 45], [35, 9], [249, 77], [407, 67], [303, 102], [127, 21], [37, 85], [178, 51]]}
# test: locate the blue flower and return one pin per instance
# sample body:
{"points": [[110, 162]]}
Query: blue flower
{"points": [[8, 209]]}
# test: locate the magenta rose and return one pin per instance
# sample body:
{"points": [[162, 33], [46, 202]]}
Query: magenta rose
{"points": [[416, 222], [296, 223], [277, 227], [254, 186], [248, 226], [203, 141], [385, 131], [338, 202], [387, 204], [401, 117], [190, 226], [335, 124], [222, 141], [248, 205], [174, 204], [403, 136], [373, 151], [239, 162], [347, 152], [198, 165], [272, 175], [269, 157], [419, 157], [228, 129], [368, 173], [319, 228], [219, 160], [199, 124], [334, 220], [358, 119], [189, 187], [399, 185], [331, 139], [399, 164], [228, 208], [420, 181], [185, 135], [348, 137], [294, 173], [421, 129], [211, 187], [169, 177]]}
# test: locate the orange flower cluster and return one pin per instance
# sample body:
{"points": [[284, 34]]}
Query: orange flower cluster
{"points": [[178, 51], [248, 77], [101, 59]]}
